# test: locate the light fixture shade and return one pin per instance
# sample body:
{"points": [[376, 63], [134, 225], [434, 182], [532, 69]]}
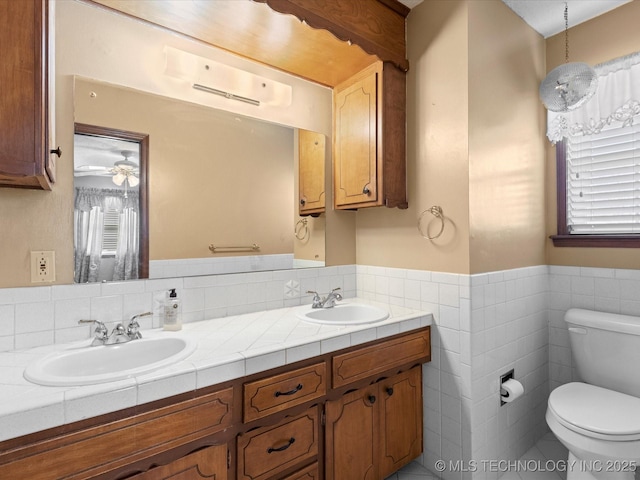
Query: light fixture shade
{"points": [[119, 178], [133, 180], [568, 86]]}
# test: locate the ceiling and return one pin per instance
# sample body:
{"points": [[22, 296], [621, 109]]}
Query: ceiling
{"points": [[547, 16]]}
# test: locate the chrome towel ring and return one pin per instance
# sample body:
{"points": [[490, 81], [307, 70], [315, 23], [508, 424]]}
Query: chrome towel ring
{"points": [[301, 230], [436, 211]]}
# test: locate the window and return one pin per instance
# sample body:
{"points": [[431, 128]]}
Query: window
{"points": [[110, 232], [598, 161], [599, 188]]}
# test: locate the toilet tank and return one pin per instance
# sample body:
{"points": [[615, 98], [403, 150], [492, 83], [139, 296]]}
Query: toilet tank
{"points": [[606, 349]]}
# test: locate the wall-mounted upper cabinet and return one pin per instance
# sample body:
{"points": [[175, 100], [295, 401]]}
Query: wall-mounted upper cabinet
{"points": [[25, 158], [369, 166], [312, 151]]}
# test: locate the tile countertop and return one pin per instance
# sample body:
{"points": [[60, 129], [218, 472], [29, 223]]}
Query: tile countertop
{"points": [[228, 348]]}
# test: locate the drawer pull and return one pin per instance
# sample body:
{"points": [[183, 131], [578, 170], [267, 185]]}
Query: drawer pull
{"points": [[290, 392], [282, 448]]}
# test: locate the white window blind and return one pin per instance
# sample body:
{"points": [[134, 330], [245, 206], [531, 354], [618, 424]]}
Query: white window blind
{"points": [[603, 181], [110, 232]]}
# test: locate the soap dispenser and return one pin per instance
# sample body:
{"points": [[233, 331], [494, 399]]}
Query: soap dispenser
{"points": [[172, 318]]}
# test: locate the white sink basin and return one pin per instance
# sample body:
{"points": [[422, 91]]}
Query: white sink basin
{"points": [[344, 314], [107, 363]]}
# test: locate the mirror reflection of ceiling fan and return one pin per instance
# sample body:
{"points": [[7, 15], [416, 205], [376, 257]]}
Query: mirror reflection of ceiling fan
{"points": [[121, 170], [107, 157]]}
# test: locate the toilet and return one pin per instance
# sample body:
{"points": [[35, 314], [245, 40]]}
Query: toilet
{"points": [[598, 419]]}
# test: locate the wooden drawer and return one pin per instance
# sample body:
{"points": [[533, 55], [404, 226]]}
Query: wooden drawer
{"points": [[309, 473], [103, 448], [208, 463], [369, 361], [264, 452], [277, 393]]}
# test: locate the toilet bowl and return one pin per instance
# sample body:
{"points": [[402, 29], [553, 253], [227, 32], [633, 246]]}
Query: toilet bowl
{"points": [[599, 427], [599, 420]]}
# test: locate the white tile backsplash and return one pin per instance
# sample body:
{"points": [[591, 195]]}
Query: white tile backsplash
{"points": [[38, 316]]}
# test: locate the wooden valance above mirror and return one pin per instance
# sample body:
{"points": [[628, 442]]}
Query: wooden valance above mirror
{"points": [[362, 31]]}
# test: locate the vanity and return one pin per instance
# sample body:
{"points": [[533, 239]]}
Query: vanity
{"points": [[314, 404]]}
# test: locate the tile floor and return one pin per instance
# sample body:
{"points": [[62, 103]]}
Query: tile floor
{"points": [[547, 451]]}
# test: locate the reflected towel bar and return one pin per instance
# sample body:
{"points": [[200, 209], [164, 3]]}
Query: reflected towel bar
{"points": [[251, 248]]}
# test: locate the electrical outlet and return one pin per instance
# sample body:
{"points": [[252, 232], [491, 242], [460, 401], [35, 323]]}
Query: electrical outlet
{"points": [[43, 267]]}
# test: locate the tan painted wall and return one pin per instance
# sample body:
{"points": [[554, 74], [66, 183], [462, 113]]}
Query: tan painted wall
{"points": [[609, 36], [474, 144], [506, 150], [437, 150]]}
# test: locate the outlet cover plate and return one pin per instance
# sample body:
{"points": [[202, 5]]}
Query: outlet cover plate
{"points": [[43, 266]]}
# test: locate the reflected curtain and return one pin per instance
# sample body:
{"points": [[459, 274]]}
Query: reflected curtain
{"points": [[90, 207], [126, 266]]}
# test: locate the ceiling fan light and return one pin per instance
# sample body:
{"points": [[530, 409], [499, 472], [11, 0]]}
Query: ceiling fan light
{"points": [[133, 180], [119, 178]]}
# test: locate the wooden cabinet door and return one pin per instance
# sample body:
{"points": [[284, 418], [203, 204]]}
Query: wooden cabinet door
{"points": [[351, 436], [209, 463], [25, 160], [400, 420], [356, 179], [311, 152]]}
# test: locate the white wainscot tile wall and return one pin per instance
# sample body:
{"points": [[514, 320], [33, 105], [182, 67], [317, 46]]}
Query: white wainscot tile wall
{"points": [[602, 289], [485, 325]]}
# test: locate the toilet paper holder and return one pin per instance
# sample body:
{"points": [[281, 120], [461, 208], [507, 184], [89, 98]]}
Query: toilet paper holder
{"points": [[503, 378]]}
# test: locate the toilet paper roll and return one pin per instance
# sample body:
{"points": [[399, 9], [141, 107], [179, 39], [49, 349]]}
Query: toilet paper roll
{"points": [[511, 390]]}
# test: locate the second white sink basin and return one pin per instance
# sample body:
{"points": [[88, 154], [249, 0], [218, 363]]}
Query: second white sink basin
{"points": [[107, 363], [344, 314]]}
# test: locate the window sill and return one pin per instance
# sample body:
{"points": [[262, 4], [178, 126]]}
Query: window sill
{"points": [[606, 241]]}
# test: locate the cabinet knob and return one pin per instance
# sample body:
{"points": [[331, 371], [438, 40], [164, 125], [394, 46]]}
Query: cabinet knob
{"points": [[366, 190], [302, 201], [57, 151], [372, 399], [389, 391]]}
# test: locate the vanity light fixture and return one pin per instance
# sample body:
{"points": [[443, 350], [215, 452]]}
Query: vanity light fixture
{"points": [[224, 94], [217, 78], [568, 86]]}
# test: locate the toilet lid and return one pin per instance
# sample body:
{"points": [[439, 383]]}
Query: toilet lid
{"points": [[595, 409]]}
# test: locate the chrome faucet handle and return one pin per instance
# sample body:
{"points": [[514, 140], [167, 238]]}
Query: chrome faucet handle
{"points": [[102, 334], [331, 299], [133, 329], [317, 301]]}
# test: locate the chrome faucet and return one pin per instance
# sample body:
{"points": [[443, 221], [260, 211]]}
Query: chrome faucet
{"points": [[120, 334], [133, 329], [102, 334], [326, 302]]}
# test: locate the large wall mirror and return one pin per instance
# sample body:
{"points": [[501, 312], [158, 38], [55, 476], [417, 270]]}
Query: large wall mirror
{"points": [[222, 175]]}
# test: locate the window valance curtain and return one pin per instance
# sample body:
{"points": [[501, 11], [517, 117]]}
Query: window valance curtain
{"points": [[616, 102]]}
